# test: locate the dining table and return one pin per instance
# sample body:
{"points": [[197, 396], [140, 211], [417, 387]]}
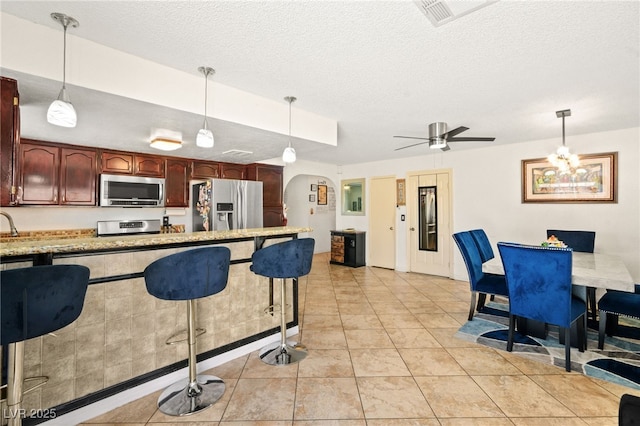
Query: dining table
{"points": [[597, 270]]}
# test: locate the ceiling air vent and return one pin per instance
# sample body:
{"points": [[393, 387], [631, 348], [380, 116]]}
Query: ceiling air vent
{"points": [[237, 153], [440, 12]]}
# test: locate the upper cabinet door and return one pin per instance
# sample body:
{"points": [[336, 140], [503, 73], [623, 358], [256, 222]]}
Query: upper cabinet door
{"points": [[38, 181], [149, 165], [78, 171], [9, 139], [272, 181], [177, 183], [232, 171], [117, 162], [205, 170]]}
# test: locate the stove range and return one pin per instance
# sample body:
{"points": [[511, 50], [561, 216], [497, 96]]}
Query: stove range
{"points": [[128, 227]]}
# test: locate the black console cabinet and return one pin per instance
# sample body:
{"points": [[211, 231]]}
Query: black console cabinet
{"points": [[348, 248]]}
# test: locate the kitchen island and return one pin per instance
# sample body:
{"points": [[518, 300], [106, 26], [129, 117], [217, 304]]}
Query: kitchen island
{"points": [[119, 340]]}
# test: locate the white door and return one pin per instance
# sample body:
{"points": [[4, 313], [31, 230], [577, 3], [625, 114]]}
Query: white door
{"points": [[382, 218], [430, 217]]}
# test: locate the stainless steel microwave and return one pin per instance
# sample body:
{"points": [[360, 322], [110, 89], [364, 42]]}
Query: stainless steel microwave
{"points": [[131, 191]]}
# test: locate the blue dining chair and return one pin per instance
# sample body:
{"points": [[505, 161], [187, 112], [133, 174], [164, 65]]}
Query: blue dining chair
{"points": [[482, 241], [539, 285], [613, 304], [582, 241], [480, 283]]}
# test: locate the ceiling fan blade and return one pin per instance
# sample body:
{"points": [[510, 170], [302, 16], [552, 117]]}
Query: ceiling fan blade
{"points": [[411, 137], [409, 146], [452, 133], [471, 139]]}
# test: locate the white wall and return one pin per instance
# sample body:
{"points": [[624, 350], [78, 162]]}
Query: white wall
{"points": [[304, 213]]}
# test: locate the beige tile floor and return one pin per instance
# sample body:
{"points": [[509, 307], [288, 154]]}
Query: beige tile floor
{"points": [[382, 352]]}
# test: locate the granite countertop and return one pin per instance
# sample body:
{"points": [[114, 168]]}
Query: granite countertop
{"points": [[23, 247]]}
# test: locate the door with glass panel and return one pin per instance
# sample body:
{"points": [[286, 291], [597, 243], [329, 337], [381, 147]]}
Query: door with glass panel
{"points": [[430, 216]]}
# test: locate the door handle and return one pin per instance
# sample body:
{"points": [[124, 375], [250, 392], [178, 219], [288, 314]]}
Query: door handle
{"points": [[391, 228], [412, 229]]}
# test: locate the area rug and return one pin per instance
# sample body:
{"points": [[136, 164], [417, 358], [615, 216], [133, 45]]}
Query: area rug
{"points": [[618, 362]]}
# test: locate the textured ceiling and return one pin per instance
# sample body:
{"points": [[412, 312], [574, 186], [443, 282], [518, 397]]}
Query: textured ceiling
{"points": [[380, 68]]}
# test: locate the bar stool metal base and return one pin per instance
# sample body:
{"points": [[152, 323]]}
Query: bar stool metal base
{"points": [[184, 398], [278, 354]]}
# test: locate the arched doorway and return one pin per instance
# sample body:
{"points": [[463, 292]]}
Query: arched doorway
{"points": [[308, 205]]}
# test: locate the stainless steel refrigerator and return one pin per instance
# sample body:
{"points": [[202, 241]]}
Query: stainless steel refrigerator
{"points": [[226, 204]]}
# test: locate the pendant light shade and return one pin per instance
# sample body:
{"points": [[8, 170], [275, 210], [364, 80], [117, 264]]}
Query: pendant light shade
{"points": [[289, 154], [204, 139], [61, 112]]}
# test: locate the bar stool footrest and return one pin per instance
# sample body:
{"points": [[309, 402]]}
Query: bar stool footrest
{"points": [[183, 336]]}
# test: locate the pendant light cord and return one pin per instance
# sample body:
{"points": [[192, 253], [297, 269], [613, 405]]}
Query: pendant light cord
{"points": [[206, 91], [290, 122], [64, 56]]}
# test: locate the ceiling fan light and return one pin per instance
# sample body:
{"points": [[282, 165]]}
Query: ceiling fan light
{"points": [[437, 143], [165, 144], [204, 139], [289, 155], [61, 113]]}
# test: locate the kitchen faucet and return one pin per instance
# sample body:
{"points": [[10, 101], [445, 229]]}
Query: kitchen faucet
{"points": [[14, 231]]}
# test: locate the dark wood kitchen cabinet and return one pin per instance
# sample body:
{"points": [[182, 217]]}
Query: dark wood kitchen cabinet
{"points": [[9, 139], [232, 171], [78, 172], [39, 173], [148, 165], [177, 183], [272, 191], [129, 163], [205, 169], [56, 175]]}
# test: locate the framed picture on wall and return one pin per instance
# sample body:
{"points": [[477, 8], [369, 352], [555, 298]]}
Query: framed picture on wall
{"points": [[312, 198], [314, 187], [400, 192], [322, 195], [594, 180]]}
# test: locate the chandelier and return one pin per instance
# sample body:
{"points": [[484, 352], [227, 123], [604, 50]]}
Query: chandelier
{"points": [[562, 159]]}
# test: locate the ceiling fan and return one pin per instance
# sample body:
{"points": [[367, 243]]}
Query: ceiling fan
{"points": [[439, 137]]}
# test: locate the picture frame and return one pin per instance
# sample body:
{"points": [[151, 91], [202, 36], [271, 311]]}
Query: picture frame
{"points": [[312, 198], [400, 192], [314, 187], [593, 181], [322, 195]]}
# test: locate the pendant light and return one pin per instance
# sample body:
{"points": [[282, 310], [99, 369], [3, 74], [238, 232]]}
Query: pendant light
{"points": [[205, 136], [289, 154], [61, 111], [562, 159]]}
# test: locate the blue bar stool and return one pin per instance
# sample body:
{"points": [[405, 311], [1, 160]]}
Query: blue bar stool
{"points": [[35, 301], [291, 259], [190, 275]]}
